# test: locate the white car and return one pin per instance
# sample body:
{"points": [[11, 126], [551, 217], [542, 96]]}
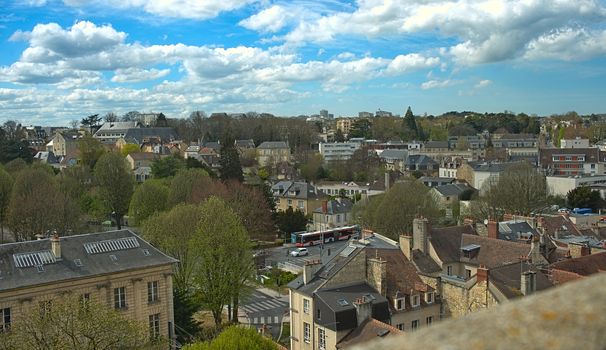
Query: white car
{"points": [[299, 252]]}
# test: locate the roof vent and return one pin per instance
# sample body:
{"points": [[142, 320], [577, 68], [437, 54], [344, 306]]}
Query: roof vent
{"points": [[381, 332]]}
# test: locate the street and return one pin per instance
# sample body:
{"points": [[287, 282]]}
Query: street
{"points": [[282, 254], [264, 306]]}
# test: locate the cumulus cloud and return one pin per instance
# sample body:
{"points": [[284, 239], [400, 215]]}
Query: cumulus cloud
{"points": [[413, 61], [433, 84], [482, 84], [130, 75], [270, 20], [568, 44]]}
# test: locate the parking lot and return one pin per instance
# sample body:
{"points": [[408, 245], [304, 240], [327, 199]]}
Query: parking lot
{"points": [[277, 255]]}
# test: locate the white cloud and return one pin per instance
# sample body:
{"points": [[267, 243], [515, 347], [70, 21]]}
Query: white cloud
{"points": [[433, 84], [568, 44], [482, 84], [130, 75], [270, 20], [405, 63]]}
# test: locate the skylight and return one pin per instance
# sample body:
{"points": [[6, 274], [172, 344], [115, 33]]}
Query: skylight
{"points": [[342, 302], [111, 245], [34, 258]]}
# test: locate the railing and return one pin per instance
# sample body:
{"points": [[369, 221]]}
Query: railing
{"points": [[290, 267]]}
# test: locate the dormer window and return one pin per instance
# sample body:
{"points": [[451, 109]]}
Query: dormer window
{"points": [[429, 297], [415, 300], [400, 303]]}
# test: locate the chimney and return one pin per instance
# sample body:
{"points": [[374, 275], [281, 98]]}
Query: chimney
{"points": [[482, 274], [324, 207], [493, 229], [376, 274], [363, 309], [528, 282], [406, 246], [56, 245], [309, 270], [420, 234], [579, 250], [387, 179]]}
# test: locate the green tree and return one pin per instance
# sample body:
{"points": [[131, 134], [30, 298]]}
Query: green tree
{"points": [[186, 184], [73, 324], [231, 169], [290, 221], [14, 149], [130, 148], [584, 197], [311, 168], [257, 218], [392, 213], [150, 197], [339, 137], [520, 189], [115, 183], [6, 186], [15, 166], [90, 150], [92, 122], [410, 131], [361, 128], [166, 167], [236, 337], [225, 258]]}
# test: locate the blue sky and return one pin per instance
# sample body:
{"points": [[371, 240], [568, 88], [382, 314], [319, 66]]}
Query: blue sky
{"points": [[62, 60]]}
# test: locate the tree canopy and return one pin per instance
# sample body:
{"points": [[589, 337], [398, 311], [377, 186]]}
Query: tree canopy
{"points": [[584, 197], [149, 197], [166, 167], [236, 337], [115, 183]]}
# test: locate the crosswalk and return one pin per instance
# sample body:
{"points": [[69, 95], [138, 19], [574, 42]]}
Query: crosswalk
{"points": [[267, 304], [264, 310]]}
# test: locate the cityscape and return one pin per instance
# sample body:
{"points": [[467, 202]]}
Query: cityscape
{"points": [[305, 175]]}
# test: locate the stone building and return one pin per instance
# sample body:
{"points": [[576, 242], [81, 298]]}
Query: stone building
{"points": [[297, 195], [272, 153], [116, 268]]}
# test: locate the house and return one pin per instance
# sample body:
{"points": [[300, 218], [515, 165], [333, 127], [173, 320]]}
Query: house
{"points": [[394, 159], [431, 181], [272, 153], [449, 166], [473, 272], [577, 268], [244, 145], [115, 268], [476, 174], [333, 213], [420, 163], [143, 173], [333, 303], [47, 158], [141, 159], [110, 132], [339, 188], [63, 143], [297, 195], [436, 146], [447, 195], [150, 139]]}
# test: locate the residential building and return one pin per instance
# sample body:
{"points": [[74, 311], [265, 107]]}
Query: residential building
{"points": [[297, 195], [339, 188], [324, 114], [561, 185], [272, 153], [574, 143], [332, 303], [394, 159], [244, 145], [365, 115], [141, 159], [117, 269], [572, 161], [514, 141], [420, 162], [47, 158], [110, 132], [344, 124], [577, 268], [336, 151], [436, 147], [448, 195], [473, 272], [476, 174], [431, 181], [333, 213], [466, 142], [449, 166], [63, 144]]}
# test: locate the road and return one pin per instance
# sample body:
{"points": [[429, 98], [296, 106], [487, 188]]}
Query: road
{"points": [[282, 254], [264, 306]]}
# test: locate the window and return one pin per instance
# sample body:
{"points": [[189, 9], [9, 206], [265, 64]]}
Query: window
{"points": [[290, 202], [306, 306], [300, 204], [120, 298], [152, 292], [400, 326], [429, 297], [5, 319], [415, 324], [318, 314], [468, 273], [400, 304], [321, 339], [154, 326], [306, 335], [449, 270], [415, 300], [429, 320]]}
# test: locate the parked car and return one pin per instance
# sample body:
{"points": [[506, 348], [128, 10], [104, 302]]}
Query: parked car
{"points": [[299, 252]]}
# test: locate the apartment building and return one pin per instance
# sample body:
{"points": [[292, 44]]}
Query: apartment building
{"points": [[116, 268], [336, 151]]}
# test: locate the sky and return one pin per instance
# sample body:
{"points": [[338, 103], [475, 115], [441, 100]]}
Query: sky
{"points": [[61, 60]]}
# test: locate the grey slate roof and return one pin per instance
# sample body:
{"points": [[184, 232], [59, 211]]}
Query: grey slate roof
{"points": [[420, 160], [296, 189], [132, 253], [138, 134], [452, 190], [507, 278], [490, 167], [336, 207], [513, 231], [272, 145], [436, 144], [398, 154], [246, 144]]}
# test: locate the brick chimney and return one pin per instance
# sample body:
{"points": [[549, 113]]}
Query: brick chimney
{"points": [[493, 229], [376, 274], [309, 270], [528, 282], [406, 246], [420, 234], [578, 250], [363, 309], [324, 207], [482, 274], [56, 245]]}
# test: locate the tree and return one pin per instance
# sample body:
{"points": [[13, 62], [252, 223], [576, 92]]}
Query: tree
{"points": [[235, 337], [115, 184], [6, 186], [392, 213], [188, 185], [584, 197], [166, 167], [37, 206], [225, 259], [12, 131], [520, 189], [339, 137], [231, 169], [150, 197], [71, 324], [14, 149], [410, 131], [92, 121], [131, 116], [161, 121], [90, 150], [360, 128], [290, 221], [311, 168], [130, 148], [257, 218], [111, 117], [15, 166]]}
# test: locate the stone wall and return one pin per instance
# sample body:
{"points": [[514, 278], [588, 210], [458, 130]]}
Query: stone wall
{"points": [[354, 271], [570, 317]]}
